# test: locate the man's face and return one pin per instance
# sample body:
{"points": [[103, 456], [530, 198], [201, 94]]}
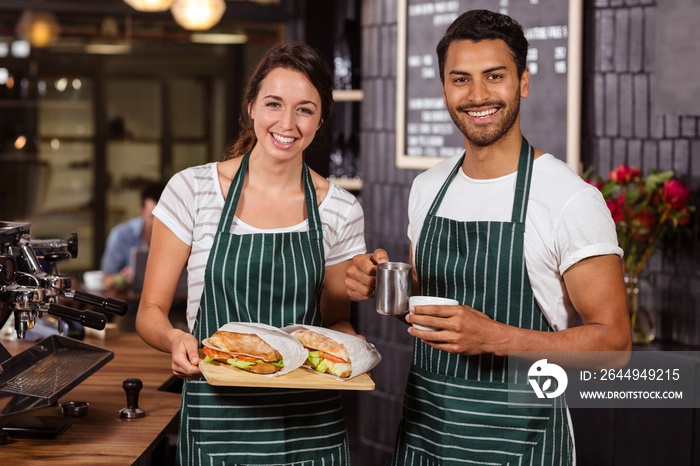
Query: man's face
{"points": [[481, 89]]}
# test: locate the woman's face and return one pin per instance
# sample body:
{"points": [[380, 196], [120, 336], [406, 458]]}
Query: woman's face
{"points": [[286, 113]]}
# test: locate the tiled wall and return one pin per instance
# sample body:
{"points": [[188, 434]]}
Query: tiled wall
{"points": [[619, 126], [385, 201], [622, 125]]}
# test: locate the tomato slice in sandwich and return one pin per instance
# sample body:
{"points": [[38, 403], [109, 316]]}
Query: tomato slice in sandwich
{"points": [[247, 358], [330, 357], [216, 354]]}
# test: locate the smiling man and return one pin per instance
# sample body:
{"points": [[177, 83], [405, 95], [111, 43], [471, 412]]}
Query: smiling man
{"points": [[525, 246]]}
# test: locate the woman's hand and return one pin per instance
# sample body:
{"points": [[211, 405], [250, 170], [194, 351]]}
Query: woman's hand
{"points": [[361, 277], [185, 355]]}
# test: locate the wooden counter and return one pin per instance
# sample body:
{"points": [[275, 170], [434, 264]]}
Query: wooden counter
{"points": [[102, 437]]}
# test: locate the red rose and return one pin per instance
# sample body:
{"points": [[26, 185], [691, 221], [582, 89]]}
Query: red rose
{"points": [[642, 225], [675, 193], [623, 174], [615, 206]]}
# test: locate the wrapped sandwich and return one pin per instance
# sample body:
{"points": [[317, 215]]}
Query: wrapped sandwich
{"points": [[245, 351], [335, 353], [254, 347], [325, 354]]}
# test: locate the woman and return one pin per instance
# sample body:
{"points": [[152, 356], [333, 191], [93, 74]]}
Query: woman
{"points": [[258, 232]]}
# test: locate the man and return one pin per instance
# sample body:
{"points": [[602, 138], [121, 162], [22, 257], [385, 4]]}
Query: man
{"points": [[135, 232], [525, 246]]}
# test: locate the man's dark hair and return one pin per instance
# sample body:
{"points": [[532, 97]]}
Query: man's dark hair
{"points": [[152, 191], [478, 25]]}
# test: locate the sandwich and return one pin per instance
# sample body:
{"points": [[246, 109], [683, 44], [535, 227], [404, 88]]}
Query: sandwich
{"points": [[325, 354], [245, 351]]}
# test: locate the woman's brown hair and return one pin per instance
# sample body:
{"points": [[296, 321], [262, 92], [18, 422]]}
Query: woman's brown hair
{"points": [[291, 55]]}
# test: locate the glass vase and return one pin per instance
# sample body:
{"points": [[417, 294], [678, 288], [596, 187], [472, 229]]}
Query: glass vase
{"points": [[642, 319]]}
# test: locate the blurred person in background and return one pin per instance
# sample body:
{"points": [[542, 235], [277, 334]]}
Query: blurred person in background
{"points": [[135, 232]]}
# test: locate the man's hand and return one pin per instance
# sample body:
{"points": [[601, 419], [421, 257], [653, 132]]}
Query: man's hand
{"points": [[361, 277], [460, 329]]}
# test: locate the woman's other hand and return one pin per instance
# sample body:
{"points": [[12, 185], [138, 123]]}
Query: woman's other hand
{"points": [[361, 277]]}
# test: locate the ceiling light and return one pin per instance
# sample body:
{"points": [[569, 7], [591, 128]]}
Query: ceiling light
{"points": [[40, 28], [149, 5], [20, 49], [198, 15], [20, 142], [61, 84], [218, 38], [109, 41]]}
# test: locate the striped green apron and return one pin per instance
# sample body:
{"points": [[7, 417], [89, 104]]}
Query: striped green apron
{"points": [[456, 409], [276, 279]]}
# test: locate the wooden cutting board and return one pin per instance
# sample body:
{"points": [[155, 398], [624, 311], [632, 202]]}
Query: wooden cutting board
{"points": [[221, 374]]}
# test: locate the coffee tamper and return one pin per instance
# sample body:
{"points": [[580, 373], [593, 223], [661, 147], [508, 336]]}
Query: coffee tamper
{"points": [[132, 387]]}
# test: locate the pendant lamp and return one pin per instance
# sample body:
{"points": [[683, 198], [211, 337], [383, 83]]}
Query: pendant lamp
{"points": [[198, 15], [149, 5], [39, 28]]}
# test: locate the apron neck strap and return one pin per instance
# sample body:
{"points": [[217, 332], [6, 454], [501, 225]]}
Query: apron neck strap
{"points": [[311, 203], [522, 183], [234, 194]]}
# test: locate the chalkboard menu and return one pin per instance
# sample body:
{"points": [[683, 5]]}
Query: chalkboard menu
{"points": [[549, 115]]}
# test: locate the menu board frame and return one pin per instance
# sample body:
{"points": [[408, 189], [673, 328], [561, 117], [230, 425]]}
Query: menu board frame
{"points": [[573, 90]]}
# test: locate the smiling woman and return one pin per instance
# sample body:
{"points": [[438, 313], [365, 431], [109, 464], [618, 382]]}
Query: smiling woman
{"points": [[314, 86], [265, 240]]}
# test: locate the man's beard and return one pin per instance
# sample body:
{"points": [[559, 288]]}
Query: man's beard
{"points": [[483, 137]]}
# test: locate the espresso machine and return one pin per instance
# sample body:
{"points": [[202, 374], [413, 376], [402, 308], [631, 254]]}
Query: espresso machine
{"points": [[31, 287]]}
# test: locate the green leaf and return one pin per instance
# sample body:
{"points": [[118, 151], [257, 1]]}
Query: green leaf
{"points": [[609, 190], [657, 178]]}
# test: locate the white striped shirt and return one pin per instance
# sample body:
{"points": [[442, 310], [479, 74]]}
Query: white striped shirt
{"points": [[191, 207]]}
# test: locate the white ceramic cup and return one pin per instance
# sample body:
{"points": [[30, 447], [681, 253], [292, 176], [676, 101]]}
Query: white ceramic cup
{"points": [[92, 279], [429, 300]]}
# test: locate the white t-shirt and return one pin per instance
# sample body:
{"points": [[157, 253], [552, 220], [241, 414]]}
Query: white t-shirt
{"points": [[567, 221], [191, 207]]}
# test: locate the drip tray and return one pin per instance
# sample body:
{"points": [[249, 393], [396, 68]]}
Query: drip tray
{"points": [[40, 375]]}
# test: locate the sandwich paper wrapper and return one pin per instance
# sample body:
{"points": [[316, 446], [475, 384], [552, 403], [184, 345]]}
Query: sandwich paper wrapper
{"points": [[293, 353], [363, 355]]}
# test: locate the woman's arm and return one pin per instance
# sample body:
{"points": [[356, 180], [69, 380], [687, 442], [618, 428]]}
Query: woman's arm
{"points": [[167, 258], [335, 303]]}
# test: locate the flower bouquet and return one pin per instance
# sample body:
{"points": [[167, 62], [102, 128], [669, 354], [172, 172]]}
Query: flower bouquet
{"points": [[646, 211]]}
